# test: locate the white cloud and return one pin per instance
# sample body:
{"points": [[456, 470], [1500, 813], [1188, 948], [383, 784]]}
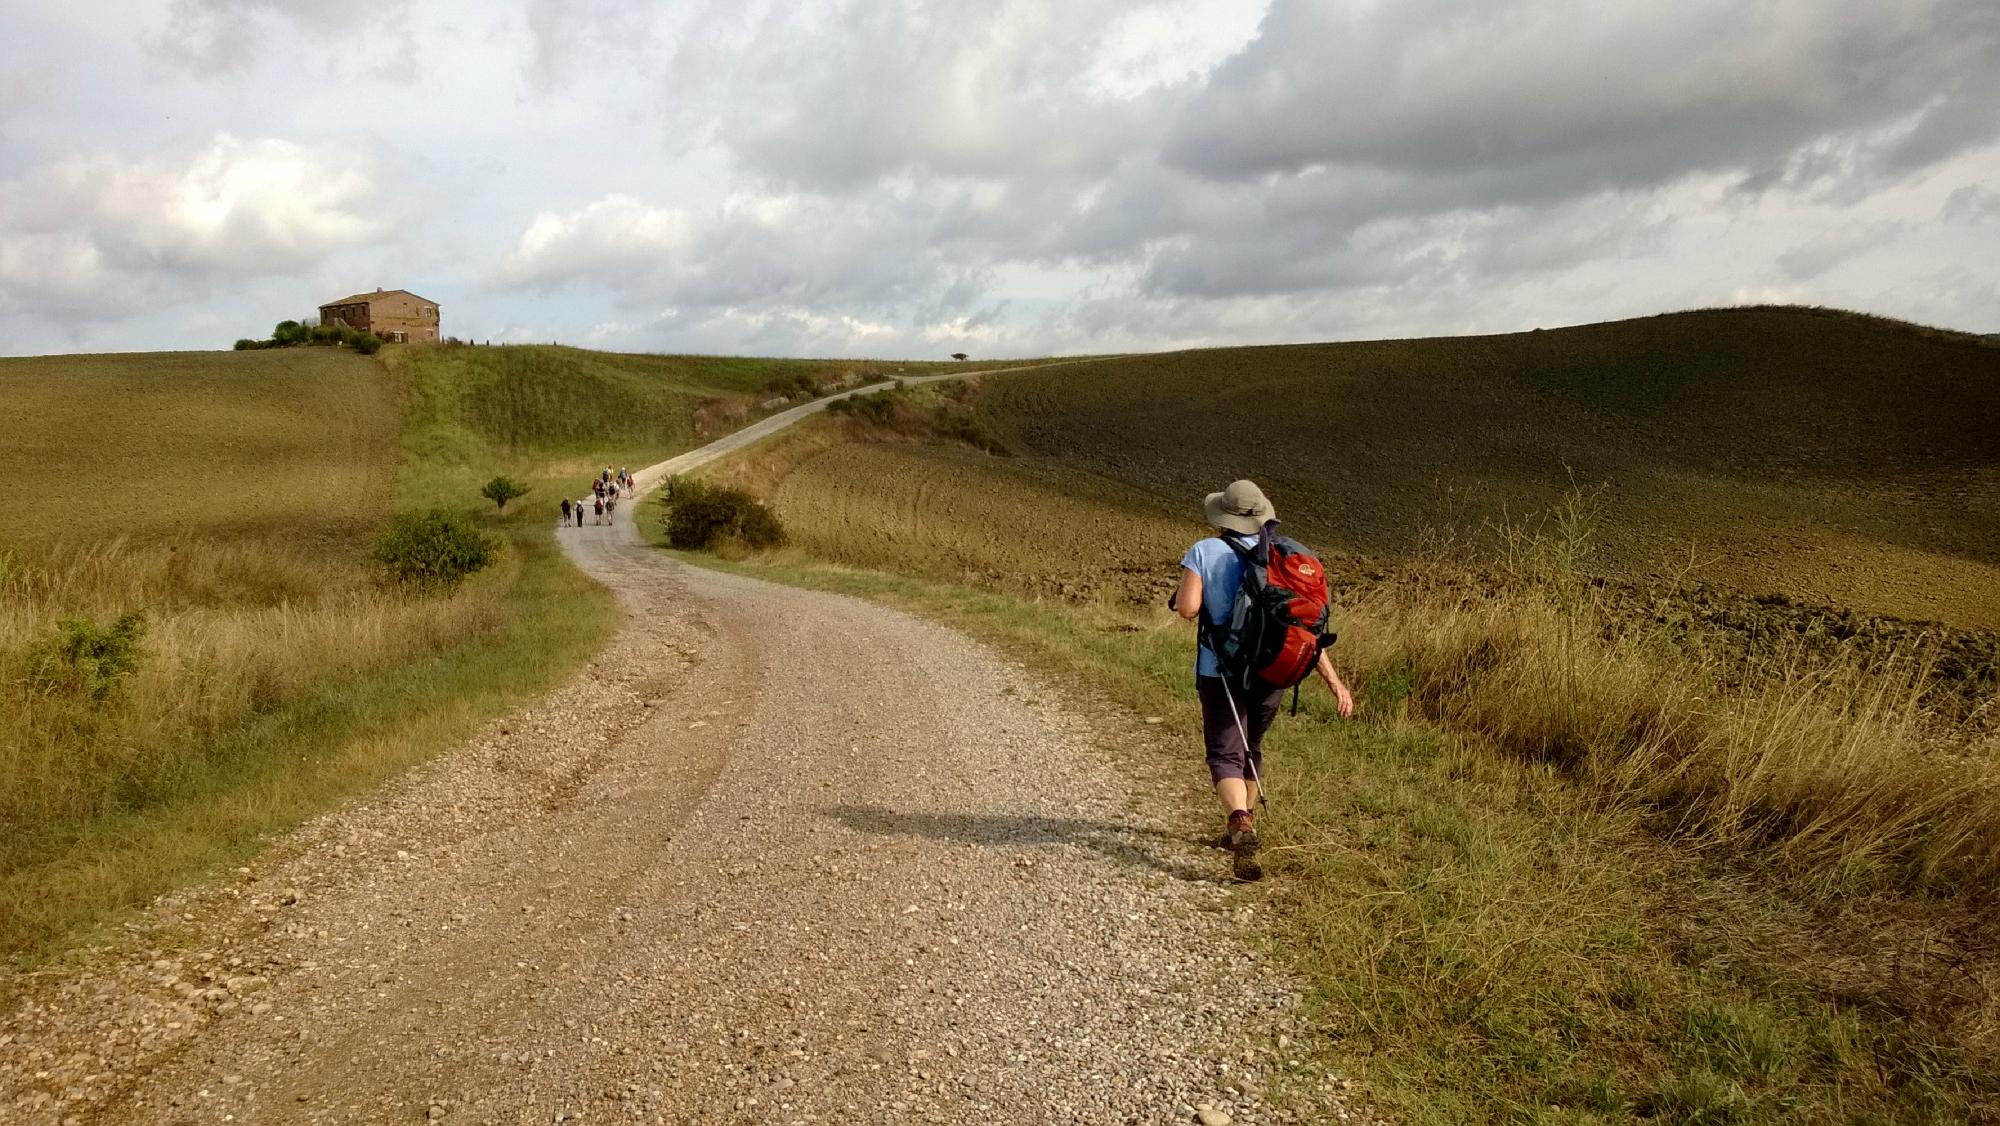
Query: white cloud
{"points": [[1162, 44], [95, 236], [611, 237]]}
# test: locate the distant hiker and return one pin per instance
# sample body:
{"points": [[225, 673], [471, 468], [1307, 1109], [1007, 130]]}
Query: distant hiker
{"points": [[1260, 604], [565, 510], [600, 511], [579, 514]]}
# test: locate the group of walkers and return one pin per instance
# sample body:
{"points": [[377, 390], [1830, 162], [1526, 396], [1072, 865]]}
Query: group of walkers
{"points": [[605, 489]]}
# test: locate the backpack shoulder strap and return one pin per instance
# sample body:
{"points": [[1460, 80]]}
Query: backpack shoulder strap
{"points": [[1245, 552]]}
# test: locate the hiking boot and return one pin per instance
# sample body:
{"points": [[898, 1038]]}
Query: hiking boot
{"points": [[1243, 843]]}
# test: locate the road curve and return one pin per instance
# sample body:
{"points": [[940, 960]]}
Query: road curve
{"points": [[776, 856], [765, 427]]}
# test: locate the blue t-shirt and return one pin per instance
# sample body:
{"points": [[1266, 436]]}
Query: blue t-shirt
{"points": [[1221, 573]]}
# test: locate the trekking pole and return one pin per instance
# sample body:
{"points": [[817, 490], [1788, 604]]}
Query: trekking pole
{"points": [[1202, 632], [1249, 760]]}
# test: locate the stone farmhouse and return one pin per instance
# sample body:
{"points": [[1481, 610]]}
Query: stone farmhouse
{"points": [[396, 315]]}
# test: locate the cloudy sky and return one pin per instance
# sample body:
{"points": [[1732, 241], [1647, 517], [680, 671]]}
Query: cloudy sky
{"points": [[1001, 177]]}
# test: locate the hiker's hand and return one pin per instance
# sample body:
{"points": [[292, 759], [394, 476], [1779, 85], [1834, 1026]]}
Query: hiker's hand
{"points": [[1342, 698]]}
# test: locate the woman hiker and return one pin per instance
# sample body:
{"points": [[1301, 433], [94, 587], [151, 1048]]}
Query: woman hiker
{"points": [[1211, 572]]}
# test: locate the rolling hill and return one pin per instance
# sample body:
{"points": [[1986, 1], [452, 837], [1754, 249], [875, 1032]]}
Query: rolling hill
{"points": [[1828, 458]]}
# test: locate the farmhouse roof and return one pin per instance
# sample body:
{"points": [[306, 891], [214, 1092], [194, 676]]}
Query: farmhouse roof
{"points": [[372, 295]]}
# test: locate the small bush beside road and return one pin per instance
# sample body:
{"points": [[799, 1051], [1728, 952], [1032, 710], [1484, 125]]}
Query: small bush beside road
{"points": [[84, 660], [700, 516], [432, 550]]}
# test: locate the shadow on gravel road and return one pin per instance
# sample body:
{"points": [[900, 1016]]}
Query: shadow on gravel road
{"points": [[1128, 844]]}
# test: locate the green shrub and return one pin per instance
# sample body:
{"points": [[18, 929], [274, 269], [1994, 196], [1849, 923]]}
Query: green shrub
{"points": [[432, 549], [876, 406], [795, 385], [502, 489], [287, 333], [248, 345], [366, 343], [701, 516], [84, 660]]}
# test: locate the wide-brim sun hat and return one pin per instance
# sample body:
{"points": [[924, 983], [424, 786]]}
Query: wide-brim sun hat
{"points": [[1242, 507]]}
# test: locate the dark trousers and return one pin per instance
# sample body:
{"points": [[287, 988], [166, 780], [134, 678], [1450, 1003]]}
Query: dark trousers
{"points": [[1229, 755]]}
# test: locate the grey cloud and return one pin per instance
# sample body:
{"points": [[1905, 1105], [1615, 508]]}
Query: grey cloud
{"points": [[567, 35], [891, 175], [1971, 204], [951, 87], [1572, 96]]}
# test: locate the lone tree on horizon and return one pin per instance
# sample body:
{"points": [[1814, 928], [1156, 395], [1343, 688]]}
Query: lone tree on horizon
{"points": [[958, 355]]}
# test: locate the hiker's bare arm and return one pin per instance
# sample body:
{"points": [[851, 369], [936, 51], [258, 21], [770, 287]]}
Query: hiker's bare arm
{"points": [[1187, 600], [1342, 697]]}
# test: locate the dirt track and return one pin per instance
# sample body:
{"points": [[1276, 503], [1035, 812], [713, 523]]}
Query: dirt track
{"points": [[779, 856]]}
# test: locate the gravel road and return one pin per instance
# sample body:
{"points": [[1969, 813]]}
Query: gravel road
{"points": [[777, 856]]}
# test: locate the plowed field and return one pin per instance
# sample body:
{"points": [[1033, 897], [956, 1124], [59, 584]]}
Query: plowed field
{"points": [[1833, 459]]}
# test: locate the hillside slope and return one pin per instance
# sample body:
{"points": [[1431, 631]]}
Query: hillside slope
{"points": [[1834, 458], [220, 445], [554, 415]]}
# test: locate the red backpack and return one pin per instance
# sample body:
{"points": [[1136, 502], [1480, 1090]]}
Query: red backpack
{"points": [[1277, 621]]}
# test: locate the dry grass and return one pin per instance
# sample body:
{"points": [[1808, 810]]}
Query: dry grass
{"points": [[1831, 772], [234, 632]]}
